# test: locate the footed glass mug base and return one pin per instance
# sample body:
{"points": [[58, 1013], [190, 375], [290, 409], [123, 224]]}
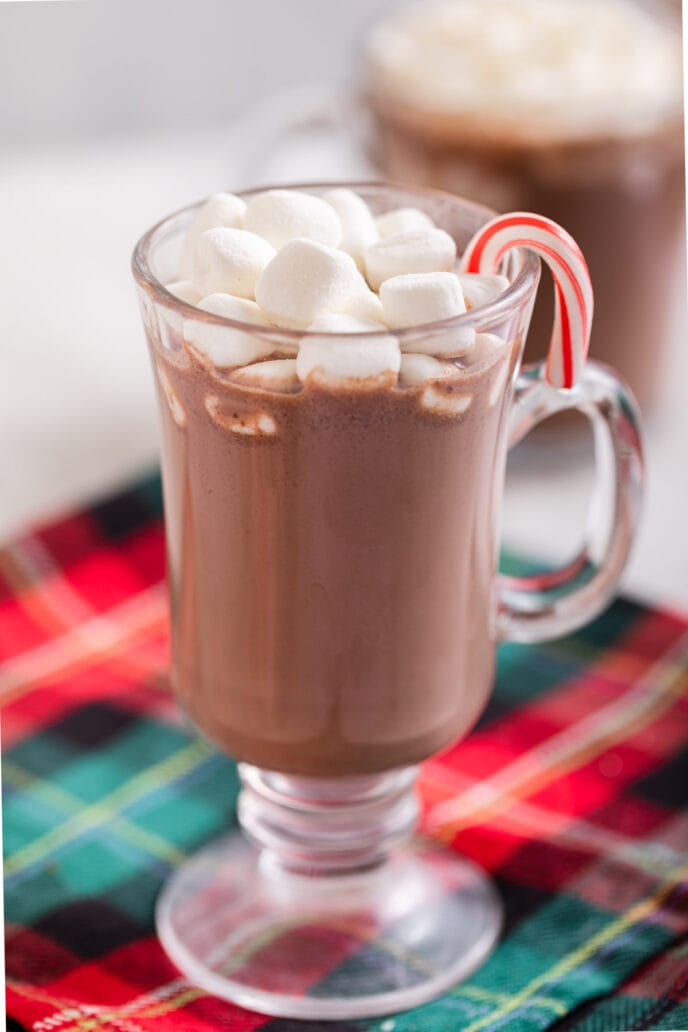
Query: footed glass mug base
{"points": [[330, 918]]}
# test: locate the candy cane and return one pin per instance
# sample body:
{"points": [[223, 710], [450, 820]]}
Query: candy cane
{"points": [[573, 297]]}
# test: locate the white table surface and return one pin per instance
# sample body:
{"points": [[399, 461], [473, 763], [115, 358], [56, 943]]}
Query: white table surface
{"points": [[77, 409]]}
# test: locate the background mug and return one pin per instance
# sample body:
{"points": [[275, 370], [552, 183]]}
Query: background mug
{"points": [[611, 171]]}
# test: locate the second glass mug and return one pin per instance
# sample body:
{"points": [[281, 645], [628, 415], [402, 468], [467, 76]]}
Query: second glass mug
{"points": [[335, 609]]}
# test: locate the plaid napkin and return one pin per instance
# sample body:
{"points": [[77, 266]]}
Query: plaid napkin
{"points": [[572, 792]]}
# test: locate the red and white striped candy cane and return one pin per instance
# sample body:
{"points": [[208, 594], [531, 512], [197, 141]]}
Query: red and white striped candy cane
{"points": [[573, 297]]}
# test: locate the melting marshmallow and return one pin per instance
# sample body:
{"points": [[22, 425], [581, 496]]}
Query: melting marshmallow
{"points": [[276, 375], [358, 225], [229, 261], [225, 346], [419, 250], [283, 215], [443, 402], [176, 407], [222, 209], [306, 279], [481, 290], [419, 369], [246, 424], [336, 361], [417, 298], [402, 220]]}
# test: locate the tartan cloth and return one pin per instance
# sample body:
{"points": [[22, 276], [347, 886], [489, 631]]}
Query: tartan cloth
{"points": [[572, 792]]}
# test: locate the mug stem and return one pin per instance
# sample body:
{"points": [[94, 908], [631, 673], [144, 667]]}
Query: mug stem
{"points": [[326, 826]]}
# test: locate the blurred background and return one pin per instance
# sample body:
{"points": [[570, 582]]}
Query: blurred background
{"points": [[114, 113]]}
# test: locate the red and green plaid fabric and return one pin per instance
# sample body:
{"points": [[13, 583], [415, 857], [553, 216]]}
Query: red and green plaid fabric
{"points": [[572, 792]]}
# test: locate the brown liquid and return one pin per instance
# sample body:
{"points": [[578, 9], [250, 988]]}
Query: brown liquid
{"points": [[331, 583], [622, 200]]}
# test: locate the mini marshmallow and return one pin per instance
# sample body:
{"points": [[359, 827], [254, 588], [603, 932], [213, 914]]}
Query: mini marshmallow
{"points": [[276, 375], [333, 362], [455, 342], [421, 297], [445, 403], [225, 346], [358, 225], [229, 261], [487, 350], [306, 279], [481, 290], [342, 322], [185, 290], [419, 250], [222, 209], [418, 369], [402, 220], [283, 215], [176, 407], [246, 424], [365, 304]]}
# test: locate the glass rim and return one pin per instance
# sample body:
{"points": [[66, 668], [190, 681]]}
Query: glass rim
{"points": [[523, 284]]}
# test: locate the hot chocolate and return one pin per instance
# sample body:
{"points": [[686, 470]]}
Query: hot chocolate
{"points": [[332, 466], [331, 555]]}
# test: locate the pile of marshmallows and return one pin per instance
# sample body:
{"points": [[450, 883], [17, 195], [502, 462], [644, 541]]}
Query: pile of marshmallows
{"points": [[325, 265]]}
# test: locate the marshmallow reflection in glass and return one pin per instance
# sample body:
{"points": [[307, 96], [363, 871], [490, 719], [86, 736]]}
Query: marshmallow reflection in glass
{"points": [[335, 421]]}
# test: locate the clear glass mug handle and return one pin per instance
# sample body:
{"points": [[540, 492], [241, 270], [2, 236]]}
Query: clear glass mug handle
{"points": [[551, 605], [269, 128]]}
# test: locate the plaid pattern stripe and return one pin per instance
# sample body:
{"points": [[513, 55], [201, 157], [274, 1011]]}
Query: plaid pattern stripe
{"points": [[572, 792]]}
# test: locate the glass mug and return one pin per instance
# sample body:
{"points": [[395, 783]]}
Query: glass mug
{"points": [[335, 609]]}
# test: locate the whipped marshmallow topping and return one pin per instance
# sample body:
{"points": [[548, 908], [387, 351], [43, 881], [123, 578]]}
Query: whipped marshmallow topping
{"points": [[342, 277], [532, 68]]}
